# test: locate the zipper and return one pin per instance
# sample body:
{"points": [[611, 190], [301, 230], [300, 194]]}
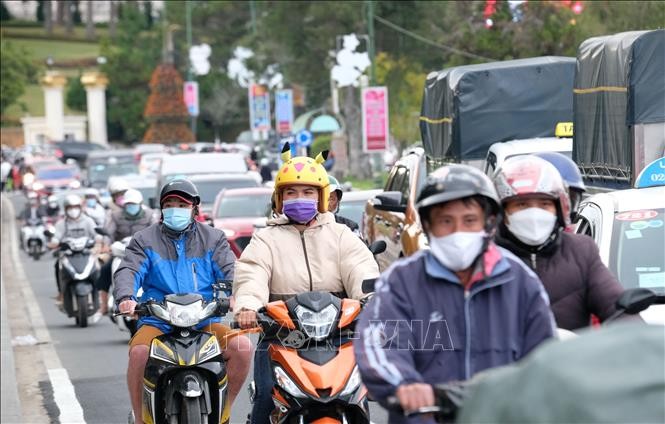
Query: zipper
{"points": [[196, 282], [533, 261], [309, 271]]}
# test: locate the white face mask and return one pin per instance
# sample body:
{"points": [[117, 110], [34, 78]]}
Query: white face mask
{"points": [[531, 226], [457, 251], [74, 213]]}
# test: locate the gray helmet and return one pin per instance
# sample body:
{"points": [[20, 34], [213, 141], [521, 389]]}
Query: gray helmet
{"points": [[72, 200]]}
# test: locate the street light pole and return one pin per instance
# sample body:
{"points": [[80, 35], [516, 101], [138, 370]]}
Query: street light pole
{"points": [[370, 31], [188, 16]]}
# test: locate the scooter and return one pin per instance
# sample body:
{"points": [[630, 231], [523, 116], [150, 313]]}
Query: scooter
{"points": [[33, 238], [185, 378], [78, 269], [124, 323]]}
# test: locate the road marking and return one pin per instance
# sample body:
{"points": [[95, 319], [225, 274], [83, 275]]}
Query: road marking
{"points": [[63, 389]]}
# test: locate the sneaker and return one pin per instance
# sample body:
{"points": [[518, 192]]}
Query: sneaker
{"points": [[96, 317]]}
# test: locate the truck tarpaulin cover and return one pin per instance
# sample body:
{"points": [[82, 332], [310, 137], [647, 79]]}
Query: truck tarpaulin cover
{"points": [[468, 108], [619, 82]]}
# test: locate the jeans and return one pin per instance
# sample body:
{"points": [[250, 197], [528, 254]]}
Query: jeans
{"points": [[105, 276], [264, 382]]}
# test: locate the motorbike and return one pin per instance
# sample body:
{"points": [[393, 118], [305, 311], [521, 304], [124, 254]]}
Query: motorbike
{"points": [[33, 238], [185, 377], [124, 323], [78, 269]]}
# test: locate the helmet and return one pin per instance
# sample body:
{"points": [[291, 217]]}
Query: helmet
{"points": [[117, 185], [32, 195], [133, 196], [53, 199], [566, 167], [528, 174], [303, 170], [335, 186], [453, 182], [184, 189], [91, 192], [72, 200]]}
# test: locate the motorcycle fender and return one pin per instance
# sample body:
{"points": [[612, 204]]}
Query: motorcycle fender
{"points": [[189, 384], [83, 288]]}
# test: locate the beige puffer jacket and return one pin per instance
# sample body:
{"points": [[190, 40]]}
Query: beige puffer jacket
{"points": [[280, 262]]}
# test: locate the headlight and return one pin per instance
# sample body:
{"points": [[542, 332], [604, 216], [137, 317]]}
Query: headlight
{"points": [[210, 349], [353, 383], [287, 384], [184, 315], [75, 184], [160, 351], [316, 325], [228, 233], [37, 186]]}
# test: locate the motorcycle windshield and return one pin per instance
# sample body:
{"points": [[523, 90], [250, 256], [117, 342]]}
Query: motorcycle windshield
{"points": [[78, 262]]}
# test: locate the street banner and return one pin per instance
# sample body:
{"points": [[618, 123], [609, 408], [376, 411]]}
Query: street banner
{"points": [[259, 108], [284, 111], [191, 96], [375, 119]]}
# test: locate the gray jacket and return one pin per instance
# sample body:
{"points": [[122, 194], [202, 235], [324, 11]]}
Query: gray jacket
{"points": [[120, 225], [84, 226]]}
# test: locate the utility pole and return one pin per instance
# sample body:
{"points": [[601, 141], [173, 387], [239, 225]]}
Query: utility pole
{"points": [[188, 15], [377, 157], [252, 10]]}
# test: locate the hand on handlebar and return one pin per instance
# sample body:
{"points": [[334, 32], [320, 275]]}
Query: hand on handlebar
{"points": [[127, 307], [246, 318], [414, 396]]}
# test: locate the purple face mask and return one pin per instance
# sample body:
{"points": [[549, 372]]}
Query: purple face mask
{"points": [[300, 210]]}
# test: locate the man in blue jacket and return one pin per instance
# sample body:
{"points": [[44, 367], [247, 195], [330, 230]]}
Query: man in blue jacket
{"points": [[177, 255], [447, 313]]}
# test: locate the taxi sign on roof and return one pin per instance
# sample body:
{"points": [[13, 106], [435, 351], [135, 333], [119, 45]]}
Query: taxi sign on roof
{"points": [[653, 175], [564, 129]]}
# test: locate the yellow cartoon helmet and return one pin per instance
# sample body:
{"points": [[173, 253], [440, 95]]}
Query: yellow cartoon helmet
{"points": [[302, 170]]}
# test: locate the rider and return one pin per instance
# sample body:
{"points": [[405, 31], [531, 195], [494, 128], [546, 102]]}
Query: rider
{"points": [[117, 189], [571, 176], [134, 216], [460, 307], [33, 211], [300, 251], [177, 255], [53, 208], [537, 211], [74, 224], [93, 207], [333, 205]]}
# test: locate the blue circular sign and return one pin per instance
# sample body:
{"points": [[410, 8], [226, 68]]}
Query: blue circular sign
{"points": [[304, 138]]}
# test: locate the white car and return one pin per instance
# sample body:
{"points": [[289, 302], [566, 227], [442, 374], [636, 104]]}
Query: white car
{"points": [[499, 152], [629, 228]]}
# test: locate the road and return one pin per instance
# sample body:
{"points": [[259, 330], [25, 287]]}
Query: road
{"points": [[95, 358]]}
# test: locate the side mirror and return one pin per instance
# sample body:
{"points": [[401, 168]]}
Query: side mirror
{"points": [[390, 201], [48, 233], [102, 232], [634, 301], [377, 247], [368, 285], [152, 202]]}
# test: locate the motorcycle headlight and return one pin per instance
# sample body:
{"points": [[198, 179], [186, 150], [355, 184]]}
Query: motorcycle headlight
{"points": [[316, 325], [287, 384], [160, 351], [184, 315], [353, 383], [210, 349], [37, 186], [159, 311]]}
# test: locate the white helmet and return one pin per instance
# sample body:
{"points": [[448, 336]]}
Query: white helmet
{"points": [[72, 200], [117, 185], [133, 196], [91, 192]]}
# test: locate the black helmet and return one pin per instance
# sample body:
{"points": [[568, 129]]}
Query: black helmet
{"points": [[184, 189], [454, 181]]}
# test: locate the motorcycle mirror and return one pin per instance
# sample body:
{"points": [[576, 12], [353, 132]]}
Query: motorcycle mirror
{"points": [[368, 285], [634, 301], [48, 233], [377, 247], [102, 232]]}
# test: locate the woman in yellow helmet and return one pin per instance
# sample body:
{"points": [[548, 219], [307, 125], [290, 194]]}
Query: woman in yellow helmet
{"points": [[302, 250]]}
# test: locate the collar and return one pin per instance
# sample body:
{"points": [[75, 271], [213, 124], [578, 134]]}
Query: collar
{"points": [[320, 219], [491, 264], [176, 235]]}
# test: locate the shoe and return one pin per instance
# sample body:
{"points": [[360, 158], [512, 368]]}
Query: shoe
{"points": [[60, 305], [95, 317]]}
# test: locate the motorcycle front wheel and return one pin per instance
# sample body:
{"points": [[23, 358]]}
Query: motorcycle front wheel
{"points": [[190, 411], [82, 317]]}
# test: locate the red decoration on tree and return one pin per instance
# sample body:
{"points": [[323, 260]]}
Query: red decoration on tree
{"points": [[165, 109]]}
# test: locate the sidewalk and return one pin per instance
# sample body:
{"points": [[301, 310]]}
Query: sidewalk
{"points": [[11, 405]]}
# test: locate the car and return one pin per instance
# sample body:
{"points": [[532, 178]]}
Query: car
{"points": [[52, 179], [150, 162], [628, 227], [102, 165], [144, 148], [498, 153], [77, 150], [353, 204], [238, 211], [144, 183], [209, 185], [392, 216]]}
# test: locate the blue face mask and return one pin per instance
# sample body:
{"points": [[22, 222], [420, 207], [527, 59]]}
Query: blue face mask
{"points": [[91, 203], [177, 219], [132, 209]]}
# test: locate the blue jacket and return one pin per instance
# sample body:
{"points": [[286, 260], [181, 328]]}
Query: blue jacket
{"points": [[422, 326], [164, 262]]}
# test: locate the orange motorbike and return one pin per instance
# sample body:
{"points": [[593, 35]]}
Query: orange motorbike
{"points": [[311, 355]]}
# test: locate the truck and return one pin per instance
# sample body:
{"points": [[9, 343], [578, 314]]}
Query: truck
{"points": [[466, 109], [619, 107]]}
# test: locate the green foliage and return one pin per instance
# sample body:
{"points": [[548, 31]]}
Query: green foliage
{"points": [[17, 70], [130, 62], [76, 96], [321, 143], [4, 13]]}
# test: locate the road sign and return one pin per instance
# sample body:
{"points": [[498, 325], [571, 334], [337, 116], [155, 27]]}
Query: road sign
{"points": [[652, 175], [304, 138], [284, 111], [375, 119], [259, 108], [191, 96]]}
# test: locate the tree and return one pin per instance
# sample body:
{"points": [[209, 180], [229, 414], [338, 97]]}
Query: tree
{"points": [[4, 12], [130, 62], [223, 104], [165, 109], [48, 17], [89, 23], [17, 70], [76, 98]]}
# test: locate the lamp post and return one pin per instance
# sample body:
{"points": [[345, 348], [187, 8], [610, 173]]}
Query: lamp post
{"points": [[188, 17]]}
